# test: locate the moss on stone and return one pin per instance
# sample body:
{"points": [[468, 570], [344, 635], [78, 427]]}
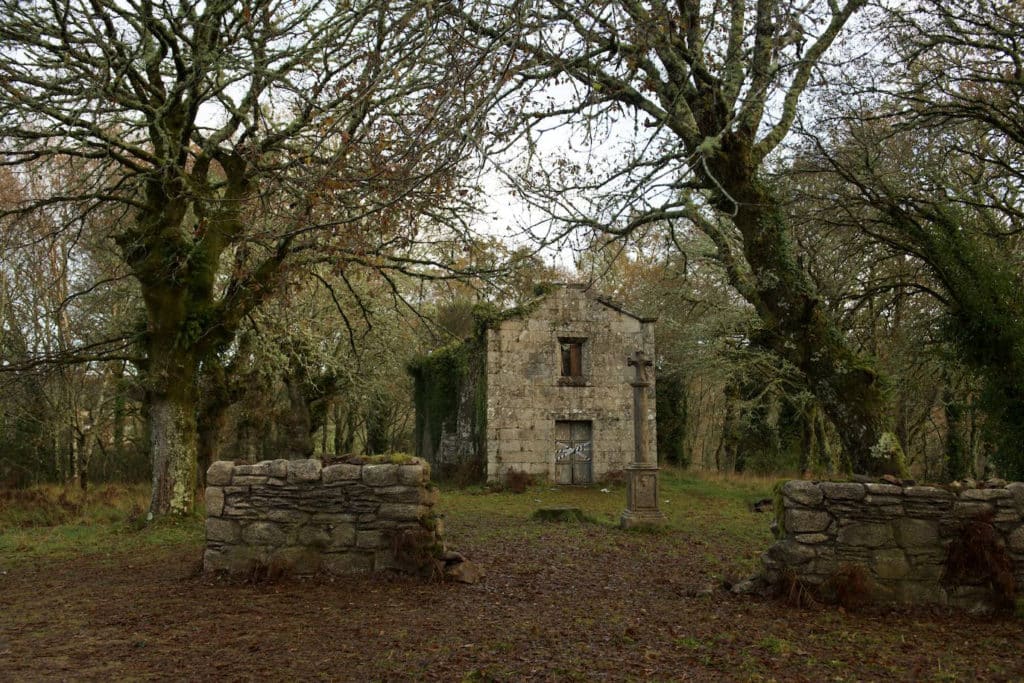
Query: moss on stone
{"points": [[779, 509]]}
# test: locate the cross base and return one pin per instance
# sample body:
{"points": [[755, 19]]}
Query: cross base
{"points": [[641, 497]]}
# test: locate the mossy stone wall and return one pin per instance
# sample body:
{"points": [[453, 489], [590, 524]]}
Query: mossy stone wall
{"points": [[912, 544], [300, 517]]}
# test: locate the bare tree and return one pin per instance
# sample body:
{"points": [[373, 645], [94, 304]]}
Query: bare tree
{"points": [[708, 90], [228, 141]]}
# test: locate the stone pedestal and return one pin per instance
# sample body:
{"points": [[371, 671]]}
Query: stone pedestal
{"points": [[641, 497]]}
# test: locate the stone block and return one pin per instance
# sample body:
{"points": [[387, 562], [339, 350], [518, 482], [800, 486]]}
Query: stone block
{"points": [[276, 468], [222, 530], [239, 512], [371, 538], [920, 508], [913, 533], [342, 536], [824, 566], [966, 509], [247, 480], [974, 599], [264, 533], [341, 472], [401, 511], [985, 494], [930, 571], [890, 564], [288, 516], [276, 481], [303, 471], [261, 469], [1016, 490], [865, 534], [928, 493], [219, 473], [926, 555], [841, 490], [380, 475], [789, 552], [214, 499], [812, 539], [921, 593], [870, 513], [806, 521], [315, 536], [884, 489], [332, 518], [1016, 540], [411, 475], [875, 500], [802, 492], [399, 494], [346, 563], [294, 561], [1006, 515], [430, 496]]}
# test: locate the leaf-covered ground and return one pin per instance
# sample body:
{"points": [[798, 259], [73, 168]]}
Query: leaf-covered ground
{"points": [[560, 602]]}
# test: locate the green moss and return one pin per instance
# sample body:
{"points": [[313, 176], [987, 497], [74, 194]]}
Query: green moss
{"points": [[386, 459], [559, 513], [439, 378], [888, 449], [778, 508], [451, 390], [487, 315]]}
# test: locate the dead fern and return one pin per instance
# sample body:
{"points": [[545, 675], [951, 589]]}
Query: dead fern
{"points": [[978, 556], [517, 481], [849, 585], [795, 592], [417, 551]]}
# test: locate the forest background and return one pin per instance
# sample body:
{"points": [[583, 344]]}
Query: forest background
{"points": [[227, 228]]}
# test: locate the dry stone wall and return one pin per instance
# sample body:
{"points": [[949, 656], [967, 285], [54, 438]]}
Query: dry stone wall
{"points": [[902, 538], [300, 517]]}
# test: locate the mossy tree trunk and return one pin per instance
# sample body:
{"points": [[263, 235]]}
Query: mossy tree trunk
{"points": [[794, 322], [173, 250]]}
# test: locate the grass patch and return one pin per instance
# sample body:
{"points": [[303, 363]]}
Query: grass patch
{"points": [[55, 521], [697, 504], [52, 521], [52, 505]]}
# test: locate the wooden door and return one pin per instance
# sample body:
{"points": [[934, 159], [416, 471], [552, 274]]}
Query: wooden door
{"points": [[574, 452]]}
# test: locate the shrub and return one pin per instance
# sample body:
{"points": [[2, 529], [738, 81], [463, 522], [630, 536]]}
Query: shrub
{"points": [[517, 481]]}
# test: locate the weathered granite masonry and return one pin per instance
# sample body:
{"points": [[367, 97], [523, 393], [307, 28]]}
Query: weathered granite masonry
{"points": [[300, 517], [542, 388], [526, 397], [901, 536]]}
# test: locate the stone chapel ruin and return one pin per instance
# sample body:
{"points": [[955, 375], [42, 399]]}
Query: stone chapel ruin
{"points": [[542, 389]]}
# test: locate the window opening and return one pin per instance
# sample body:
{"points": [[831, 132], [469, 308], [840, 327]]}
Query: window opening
{"points": [[572, 357]]}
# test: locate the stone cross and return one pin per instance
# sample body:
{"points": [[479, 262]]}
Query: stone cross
{"points": [[640, 363], [642, 474]]}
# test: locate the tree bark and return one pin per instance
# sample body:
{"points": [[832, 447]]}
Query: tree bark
{"points": [[298, 431], [171, 427], [172, 443]]}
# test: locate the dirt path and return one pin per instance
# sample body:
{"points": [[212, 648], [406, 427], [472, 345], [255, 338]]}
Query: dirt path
{"points": [[569, 603]]}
